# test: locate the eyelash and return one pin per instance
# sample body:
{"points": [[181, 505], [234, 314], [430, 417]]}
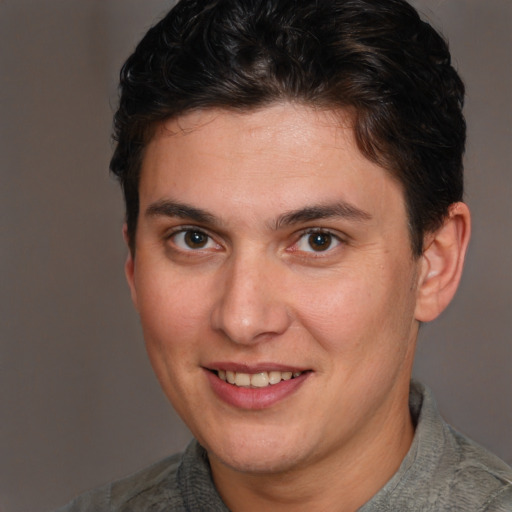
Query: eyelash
{"points": [[184, 230], [334, 240]]}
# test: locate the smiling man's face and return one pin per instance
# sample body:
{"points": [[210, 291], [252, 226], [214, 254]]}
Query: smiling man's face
{"points": [[271, 253]]}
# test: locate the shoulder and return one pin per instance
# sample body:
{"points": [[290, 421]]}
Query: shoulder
{"points": [[178, 483], [154, 484], [444, 470], [478, 476], [462, 475]]}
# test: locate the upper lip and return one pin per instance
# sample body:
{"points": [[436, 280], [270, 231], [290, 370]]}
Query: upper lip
{"points": [[254, 368]]}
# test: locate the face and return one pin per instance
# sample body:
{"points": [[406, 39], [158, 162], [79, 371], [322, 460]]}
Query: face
{"points": [[275, 285]]}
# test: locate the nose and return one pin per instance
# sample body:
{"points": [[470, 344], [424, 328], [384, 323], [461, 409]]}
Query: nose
{"points": [[251, 305]]}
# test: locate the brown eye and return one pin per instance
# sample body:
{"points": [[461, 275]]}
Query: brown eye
{"points": [[192, 239], [195, 239], [317, 241], [320, 241]]}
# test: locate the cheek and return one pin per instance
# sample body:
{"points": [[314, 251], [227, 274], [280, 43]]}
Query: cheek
{"points": [[172, 318], [360, 313], [173, 326], [171, 302]]}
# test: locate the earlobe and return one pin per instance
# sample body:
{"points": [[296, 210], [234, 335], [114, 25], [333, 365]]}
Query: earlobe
{"points": [[442, 263], [129, 268]]}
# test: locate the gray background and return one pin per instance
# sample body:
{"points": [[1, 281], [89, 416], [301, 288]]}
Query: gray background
{"points": [[79, 403]]}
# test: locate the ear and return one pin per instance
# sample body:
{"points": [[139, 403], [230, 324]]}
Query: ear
{"points": [[442, 262], [129, 267]]}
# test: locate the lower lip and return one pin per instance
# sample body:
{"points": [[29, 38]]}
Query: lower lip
{"points": [[254, 398]]}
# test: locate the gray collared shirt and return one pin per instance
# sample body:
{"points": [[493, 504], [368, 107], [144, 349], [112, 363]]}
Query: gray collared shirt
{"points": [[443, 471]]}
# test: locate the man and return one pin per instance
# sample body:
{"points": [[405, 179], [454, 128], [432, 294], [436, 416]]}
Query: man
{"points": [[292, 173]]}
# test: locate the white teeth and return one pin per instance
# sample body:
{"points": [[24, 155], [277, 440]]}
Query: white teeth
{"points": [[243, 380], [259, 380], [274, 377], [256, 380]]}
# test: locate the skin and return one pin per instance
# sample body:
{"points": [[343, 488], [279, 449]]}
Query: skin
{"points": [[257, 293]]}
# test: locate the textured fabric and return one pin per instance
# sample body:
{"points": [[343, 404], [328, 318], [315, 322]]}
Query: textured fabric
{"points": [[442, 472], [178, 483]]}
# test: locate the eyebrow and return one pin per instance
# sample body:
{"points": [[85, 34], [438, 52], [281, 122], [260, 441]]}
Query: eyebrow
{"points": [[329, 211], [170, 208]]}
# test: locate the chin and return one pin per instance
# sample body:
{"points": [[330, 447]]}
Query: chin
{"points": [[256, 454], [257, 463]]}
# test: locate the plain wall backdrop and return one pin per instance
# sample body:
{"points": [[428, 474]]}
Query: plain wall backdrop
{"points": [[79, 403]]}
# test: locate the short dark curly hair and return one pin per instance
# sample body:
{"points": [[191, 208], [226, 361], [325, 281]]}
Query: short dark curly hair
{"points": [[374, 58]]}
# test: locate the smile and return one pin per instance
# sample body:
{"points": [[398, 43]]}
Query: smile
{"points": [[256, 380], [256, 388]]}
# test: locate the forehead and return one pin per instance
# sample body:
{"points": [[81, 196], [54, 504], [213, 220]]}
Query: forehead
{"points": [[283, 156], [286, 131]]}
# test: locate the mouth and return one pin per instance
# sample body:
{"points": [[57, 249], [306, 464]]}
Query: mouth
{"points": [[256, 380], [255, 388]]}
